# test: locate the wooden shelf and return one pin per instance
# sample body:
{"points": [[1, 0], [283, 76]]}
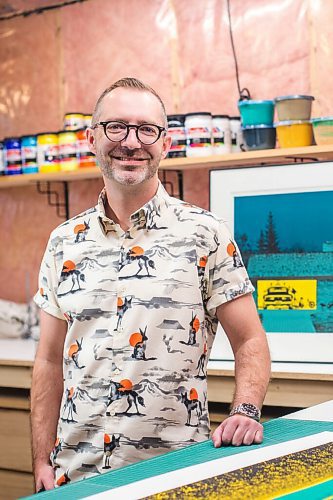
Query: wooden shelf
{"points": [[246, 159]]}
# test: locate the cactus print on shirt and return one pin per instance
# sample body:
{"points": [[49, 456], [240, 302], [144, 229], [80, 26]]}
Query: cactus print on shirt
{"points": [[140, 308]]}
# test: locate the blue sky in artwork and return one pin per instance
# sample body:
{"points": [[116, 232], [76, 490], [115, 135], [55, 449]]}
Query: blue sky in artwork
{"points": [[301, 219]]}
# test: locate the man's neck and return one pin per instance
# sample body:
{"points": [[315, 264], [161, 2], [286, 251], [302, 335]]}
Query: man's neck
{"points": [[123, 201]]}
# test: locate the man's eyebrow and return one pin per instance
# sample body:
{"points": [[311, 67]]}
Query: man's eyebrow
{"points": [[139, 122]]}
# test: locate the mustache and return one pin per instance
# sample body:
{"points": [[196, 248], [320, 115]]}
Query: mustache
{"points": [[131, 153]]}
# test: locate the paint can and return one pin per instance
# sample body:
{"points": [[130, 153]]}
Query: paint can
{"points": [[47, 152], [87, 120], [13, 159], [68, 159], [85, 156], [236, 134], [221, 134], [29, 154], [198, 128], [2, 159], [176, 130], [74, 121]]}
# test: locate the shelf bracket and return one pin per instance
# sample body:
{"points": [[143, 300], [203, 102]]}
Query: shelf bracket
{"points": [[169, 184], [54, 199]]}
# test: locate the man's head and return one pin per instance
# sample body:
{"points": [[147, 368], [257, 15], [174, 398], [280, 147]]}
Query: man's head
{"points": [[128, 132]]}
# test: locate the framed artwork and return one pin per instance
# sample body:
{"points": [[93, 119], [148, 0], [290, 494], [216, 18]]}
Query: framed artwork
{"points": [[282, 219]]}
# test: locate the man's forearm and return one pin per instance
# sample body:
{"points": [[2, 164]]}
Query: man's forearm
{"points": [[46, 392], [252, 372]]}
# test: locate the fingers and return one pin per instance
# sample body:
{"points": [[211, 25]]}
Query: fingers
{"points": [[238, 430], [45, 479]]}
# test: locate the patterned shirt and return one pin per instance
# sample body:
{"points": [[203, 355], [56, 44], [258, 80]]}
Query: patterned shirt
{"points": [[140, 306]]}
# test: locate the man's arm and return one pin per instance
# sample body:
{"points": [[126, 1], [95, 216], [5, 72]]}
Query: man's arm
{"points": [[241, 323], [46, 393]]}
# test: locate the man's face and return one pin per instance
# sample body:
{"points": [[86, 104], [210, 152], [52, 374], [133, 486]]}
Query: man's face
{"points": [[129, 162]]}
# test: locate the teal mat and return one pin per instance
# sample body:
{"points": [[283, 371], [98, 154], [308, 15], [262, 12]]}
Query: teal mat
{"points": [[317, 492], [276, 431]]}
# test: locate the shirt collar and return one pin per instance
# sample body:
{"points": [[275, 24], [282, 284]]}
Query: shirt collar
{"points": [[145, 217]]}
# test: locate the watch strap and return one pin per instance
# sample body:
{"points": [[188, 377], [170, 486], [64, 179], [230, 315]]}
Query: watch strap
{"points": [[247, 409]]}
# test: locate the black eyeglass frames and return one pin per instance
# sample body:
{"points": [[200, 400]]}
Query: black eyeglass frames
{"points": [[146, 133]]}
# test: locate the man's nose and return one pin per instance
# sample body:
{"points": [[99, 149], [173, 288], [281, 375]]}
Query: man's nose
{"points": [[131, 141]]}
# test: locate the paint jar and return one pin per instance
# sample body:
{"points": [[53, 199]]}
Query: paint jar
{"points": [[198, 127], [87, 120], [256, 112], [323, 130], [2, 159], [258, 137], [68, 158], [47, 152], [13, 159], [294, 133], [74, 121], [176, 130], [29, 154], [221, 135], [85, 156], [294, 107], [236, 134]]}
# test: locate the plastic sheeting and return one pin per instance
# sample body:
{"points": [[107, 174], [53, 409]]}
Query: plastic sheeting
{"points": [[60, 61]]}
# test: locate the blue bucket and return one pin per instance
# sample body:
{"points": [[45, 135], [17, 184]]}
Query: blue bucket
{"points": [[256, 112]]}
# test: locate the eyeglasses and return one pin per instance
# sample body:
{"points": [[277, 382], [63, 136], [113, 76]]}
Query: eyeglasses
{"points": [[146, 133]]}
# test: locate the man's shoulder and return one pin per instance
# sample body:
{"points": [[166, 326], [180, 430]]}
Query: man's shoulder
{"points": [[196, 214], [66, 228]]}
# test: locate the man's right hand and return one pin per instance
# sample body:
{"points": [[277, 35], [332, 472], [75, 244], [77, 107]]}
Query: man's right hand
{"points": [[44, 476]]}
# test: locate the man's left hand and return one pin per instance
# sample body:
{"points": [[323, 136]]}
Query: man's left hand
{"points": [[238, 430]]}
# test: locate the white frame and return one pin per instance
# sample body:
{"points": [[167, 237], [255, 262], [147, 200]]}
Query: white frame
{"points": [[225, 184]]}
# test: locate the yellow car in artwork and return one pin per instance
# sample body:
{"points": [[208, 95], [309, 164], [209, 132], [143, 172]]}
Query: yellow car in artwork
{"points": [[278, 297]]}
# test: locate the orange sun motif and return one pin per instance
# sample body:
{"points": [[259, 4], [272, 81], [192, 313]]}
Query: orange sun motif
{"points": [[135, 339], [126, 385], [231, 249], [68, 265], [193, 394]]}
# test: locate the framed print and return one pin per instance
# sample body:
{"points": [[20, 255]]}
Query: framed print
{"points": [[282, 219]]}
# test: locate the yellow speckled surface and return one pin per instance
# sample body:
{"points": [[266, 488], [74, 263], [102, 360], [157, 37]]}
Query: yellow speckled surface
{"points": [[266, 480]]}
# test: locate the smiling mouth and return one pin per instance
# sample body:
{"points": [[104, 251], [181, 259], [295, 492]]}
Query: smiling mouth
{"points": [[129, 158]]}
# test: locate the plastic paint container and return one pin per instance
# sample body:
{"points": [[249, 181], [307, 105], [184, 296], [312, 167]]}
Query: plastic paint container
{"points": [[259, 137], [294, 107], [47, 152], [74, 121], [29, 154], [236, 134], [87, 120], [294, 133], [323, 130], [176, 130], [256, 112], [68, 159], [2, 159], [198, 128], [13, 159], [85, 156], [221, 134]]}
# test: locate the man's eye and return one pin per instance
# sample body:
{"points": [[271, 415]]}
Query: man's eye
{"points": [[116, 127], [148, 129]]}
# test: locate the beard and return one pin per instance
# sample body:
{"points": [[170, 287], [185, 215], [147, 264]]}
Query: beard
{"points": [[114, 169]]}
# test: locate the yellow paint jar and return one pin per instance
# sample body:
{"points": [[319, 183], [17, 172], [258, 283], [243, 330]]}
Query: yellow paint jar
{"points": [[74, 121], [47, 152], [68, 158], [294, 133]]}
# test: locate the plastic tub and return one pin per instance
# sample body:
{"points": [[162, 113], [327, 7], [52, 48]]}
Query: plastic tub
{"points": [[294, 133], [323, 130], [294, 107], [256, 112], [259, 137]]}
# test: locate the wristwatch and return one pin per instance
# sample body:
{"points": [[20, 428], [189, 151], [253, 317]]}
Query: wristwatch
{"points": [[247, 409]]}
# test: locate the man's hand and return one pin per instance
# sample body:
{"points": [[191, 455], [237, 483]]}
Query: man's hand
{"points": [[238, 430], [44, 477]]}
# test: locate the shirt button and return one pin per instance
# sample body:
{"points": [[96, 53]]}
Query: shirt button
{"points": [[117, 371]]}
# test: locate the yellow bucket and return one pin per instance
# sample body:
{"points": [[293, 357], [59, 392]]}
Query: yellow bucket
{"points": [[294, 133]]}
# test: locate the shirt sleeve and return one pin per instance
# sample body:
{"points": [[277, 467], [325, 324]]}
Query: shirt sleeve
{"points": [[48, 281], [228, 278]]}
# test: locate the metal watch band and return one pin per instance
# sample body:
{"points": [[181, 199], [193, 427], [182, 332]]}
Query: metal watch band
{"points": [[247, 409]]}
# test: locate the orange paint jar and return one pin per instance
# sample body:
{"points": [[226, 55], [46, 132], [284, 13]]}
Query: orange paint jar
{"points": [[85, 156]]}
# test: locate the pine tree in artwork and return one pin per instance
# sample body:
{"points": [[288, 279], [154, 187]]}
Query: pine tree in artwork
{"points": [[272, 243], [262, 244]]}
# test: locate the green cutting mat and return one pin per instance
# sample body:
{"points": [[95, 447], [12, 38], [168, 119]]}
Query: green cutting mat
{"points": [[318, 492], [276, 431]]}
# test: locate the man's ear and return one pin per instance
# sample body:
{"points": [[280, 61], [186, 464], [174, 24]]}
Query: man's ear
{"points": [[91, 139], [166, 145]]}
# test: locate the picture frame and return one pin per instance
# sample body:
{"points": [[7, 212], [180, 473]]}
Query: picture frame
{"points": [[293, 279]]}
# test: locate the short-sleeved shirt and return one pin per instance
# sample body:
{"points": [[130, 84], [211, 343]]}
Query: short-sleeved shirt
{"points": [[140, 306]]}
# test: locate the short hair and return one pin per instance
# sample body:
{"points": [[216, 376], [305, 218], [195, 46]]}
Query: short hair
{"points": [[128, 83]]}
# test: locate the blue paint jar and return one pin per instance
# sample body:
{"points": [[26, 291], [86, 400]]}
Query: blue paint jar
{"points": [[13, 161], [29, 154]]}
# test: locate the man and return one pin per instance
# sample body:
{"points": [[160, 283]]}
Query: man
{"points": [[130, 309]]}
